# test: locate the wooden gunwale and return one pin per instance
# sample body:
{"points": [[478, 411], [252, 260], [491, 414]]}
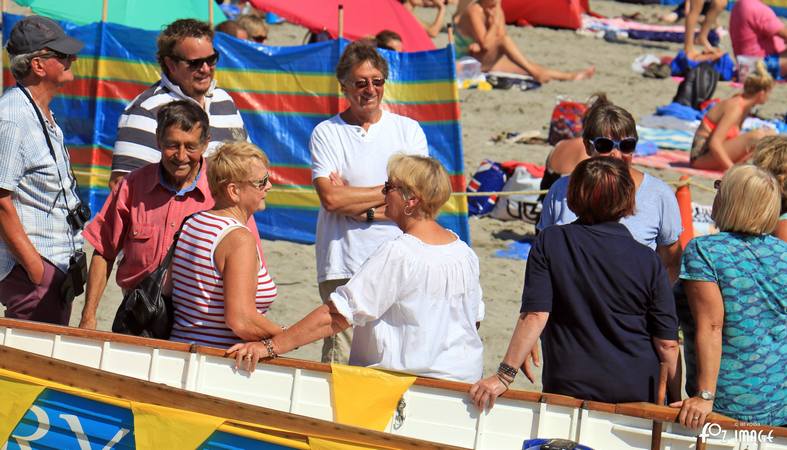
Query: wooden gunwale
{"points": [[128, 388], [637, 409]]}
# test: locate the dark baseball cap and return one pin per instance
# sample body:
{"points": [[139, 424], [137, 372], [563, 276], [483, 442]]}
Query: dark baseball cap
{"points": [[35, 33]]}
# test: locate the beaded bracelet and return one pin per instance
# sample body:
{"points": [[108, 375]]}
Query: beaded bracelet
{"points": [[506, 370], [269, 346]]}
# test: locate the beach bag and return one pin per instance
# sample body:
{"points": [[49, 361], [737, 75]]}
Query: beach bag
{"points": [[698, 86], [521, 206], [488, 178], [566, 121], [145, 311]]}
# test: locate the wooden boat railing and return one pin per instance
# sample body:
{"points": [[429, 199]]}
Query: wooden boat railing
{"points": [[640, 410]]}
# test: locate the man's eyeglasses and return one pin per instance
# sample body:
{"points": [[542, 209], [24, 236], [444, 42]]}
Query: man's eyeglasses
{"points": [[259, 39], [196, 63], [606, 145], [260, 184], [364, 83]]}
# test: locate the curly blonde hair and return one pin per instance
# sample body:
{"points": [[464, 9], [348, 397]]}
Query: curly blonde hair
{"points": [[771, 156]]}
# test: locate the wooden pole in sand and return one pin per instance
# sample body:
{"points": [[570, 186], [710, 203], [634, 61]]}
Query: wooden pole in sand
{"points": [[104, 10], [450, 29], [210, 12], [341, 21]]}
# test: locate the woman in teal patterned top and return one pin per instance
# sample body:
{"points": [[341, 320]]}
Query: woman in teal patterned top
{"points": [[736, 285]]}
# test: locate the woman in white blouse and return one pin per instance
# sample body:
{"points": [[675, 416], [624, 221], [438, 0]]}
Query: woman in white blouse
{"points": [[416, 302]]}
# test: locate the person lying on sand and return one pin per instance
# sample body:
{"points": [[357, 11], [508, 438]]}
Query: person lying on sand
{"points": [[481, 33]]}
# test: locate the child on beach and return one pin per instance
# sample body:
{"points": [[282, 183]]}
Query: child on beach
{"points": [[481, 33]]}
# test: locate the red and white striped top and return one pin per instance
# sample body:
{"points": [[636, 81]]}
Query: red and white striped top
{"points": [[198, 288]]}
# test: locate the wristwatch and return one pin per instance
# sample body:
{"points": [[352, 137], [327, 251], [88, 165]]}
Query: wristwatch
{"points": [[370, 215], [706, 395]]}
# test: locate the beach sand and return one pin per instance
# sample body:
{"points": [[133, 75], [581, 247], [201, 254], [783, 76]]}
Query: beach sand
{"points": [[484, 115]]}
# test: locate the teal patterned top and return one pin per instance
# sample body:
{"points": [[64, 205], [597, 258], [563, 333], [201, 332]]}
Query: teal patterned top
{"points": [[751, 272]]}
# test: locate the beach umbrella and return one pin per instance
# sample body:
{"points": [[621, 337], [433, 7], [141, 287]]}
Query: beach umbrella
{"points": [[151, 15], [361, 18]]}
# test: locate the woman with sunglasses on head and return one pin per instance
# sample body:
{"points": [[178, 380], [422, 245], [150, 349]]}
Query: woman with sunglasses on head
{"points": [[415, 304], [601, 302], [718, 142], [610, 131], [221, 287], [734, 312]]}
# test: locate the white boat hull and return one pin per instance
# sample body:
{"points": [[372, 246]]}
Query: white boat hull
{"points": [[435, 410]]}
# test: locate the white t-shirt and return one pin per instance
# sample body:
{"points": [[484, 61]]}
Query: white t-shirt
{"points": [[360, 157], [414, 308]]}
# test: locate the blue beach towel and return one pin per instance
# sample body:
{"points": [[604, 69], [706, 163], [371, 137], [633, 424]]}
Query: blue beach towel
{"points": [[724, 65]]}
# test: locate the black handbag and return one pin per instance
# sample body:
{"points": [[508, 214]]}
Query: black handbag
{"points": [[145, 311]]}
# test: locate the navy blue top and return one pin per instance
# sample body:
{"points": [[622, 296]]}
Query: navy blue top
{"points": [[607, 295]]}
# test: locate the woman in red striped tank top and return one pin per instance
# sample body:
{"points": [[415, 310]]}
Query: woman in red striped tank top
{"points": [[218, 300]]}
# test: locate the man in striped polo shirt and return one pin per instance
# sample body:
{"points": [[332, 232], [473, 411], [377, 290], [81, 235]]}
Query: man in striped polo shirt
{"points": [[188, 64]]}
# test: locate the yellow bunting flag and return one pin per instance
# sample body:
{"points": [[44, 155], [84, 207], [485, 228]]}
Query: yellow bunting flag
{"points": [[157, 427], [325, 444], [18, 396], [366, 397]]}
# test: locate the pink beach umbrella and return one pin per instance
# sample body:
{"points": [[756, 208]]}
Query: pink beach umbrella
{"points": [[361, 18]]}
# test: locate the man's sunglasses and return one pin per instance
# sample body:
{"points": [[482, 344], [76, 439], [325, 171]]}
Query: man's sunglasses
{"points": [[49, 53], [260, 184], [196, 63], [259, 39], [606, 145], [364, 83]]}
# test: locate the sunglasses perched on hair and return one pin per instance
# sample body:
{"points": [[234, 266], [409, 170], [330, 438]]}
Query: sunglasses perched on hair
{"points": [[390, 186], [259, 39], [260, 184], [606, 145], [196, 63], [717, 184], [364, 83]]}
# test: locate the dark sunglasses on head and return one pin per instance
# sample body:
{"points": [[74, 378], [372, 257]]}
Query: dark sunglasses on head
{"points": [[260, 184], [196, 63], [364, 83], [606, 145], [389, 186], [717, 184], [259, 39]]}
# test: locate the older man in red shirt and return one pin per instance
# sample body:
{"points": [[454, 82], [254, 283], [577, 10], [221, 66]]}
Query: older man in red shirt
{"points": [[146, 209]]}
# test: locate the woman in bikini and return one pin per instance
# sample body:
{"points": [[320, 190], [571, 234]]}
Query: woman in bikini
{"points": [[718, 143], [481, 33]]}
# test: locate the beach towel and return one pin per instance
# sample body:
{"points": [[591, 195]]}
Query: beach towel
{"points": [[677, 161], [515, 250], [667, 138], [639, 30], [725, 66]]}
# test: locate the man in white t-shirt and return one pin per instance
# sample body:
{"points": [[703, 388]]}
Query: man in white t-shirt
{"points": [[350, 153]]}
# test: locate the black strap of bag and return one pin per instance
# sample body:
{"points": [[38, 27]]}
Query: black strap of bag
{"points": [[145, 310]]}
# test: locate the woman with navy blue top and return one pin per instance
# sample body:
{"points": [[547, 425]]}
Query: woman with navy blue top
{"points": [[600, 301]]}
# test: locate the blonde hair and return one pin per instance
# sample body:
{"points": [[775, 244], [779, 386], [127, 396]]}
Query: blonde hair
{"points": [[771, 156], [759, 80], [421, 177], [231, 163], [747, 202], [253, 24]]}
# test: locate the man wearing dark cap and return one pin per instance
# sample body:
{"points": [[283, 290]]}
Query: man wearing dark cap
{"points": [[41, 217], [188, 65]]}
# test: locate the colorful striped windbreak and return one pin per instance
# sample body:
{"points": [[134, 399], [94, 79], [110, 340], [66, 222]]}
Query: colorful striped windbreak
{"points": [[282, 92]]}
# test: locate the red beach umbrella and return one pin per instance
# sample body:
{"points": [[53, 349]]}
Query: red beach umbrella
{"points": [[361, 18]]}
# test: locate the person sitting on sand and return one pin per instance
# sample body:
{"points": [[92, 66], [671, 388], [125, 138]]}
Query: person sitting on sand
{"points": [[693, 10], [756, 31], [601, 302], [432, 29], [771, 156], [718, 143], [415, 304], [481, 33], [610, 130], [734, 316]]}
